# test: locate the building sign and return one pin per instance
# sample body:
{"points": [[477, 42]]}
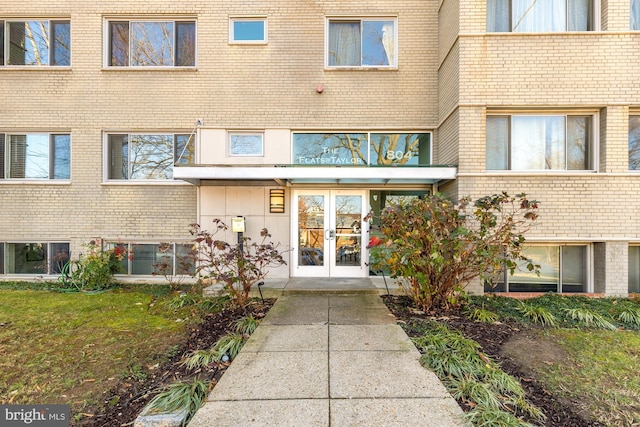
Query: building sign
{"points": [[362, 149]]}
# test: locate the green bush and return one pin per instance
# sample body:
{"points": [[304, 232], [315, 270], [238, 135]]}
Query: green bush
{"points": [[436, 247], [94, 270]]}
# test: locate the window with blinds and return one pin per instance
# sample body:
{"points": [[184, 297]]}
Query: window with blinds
{"points": [[35, 156]]}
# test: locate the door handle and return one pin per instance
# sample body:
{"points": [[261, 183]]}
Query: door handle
{"points": [[332, 234]]}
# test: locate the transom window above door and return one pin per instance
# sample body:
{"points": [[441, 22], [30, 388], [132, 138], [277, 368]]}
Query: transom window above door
{"points": [[362, 149], [361, 42], [147, 43], [531, 16]]}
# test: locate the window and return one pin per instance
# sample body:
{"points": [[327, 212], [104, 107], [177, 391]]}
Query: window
{"points": [[635, 15], [361, 42], [537, 143], [35, 156], [147, 156], [246, 144], [634, 142], [33, 258], [35, 43], [634, 269], [152, 43], [562, 269], [248, 30], [375, 149], [165, 259], [529, 16]]}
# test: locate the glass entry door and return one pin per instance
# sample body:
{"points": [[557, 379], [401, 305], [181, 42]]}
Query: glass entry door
{"points": [[327, 234]]}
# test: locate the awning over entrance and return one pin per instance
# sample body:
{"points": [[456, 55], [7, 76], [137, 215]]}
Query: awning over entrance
{"points": [[283, 174]]}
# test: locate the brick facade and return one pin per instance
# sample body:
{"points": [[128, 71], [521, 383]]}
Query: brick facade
{"points": [[450, 74]]}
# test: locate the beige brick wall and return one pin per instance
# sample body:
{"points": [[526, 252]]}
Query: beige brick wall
{"points": [[448, 136], [448, 26], [234, 87], [563, 69], [572, 206], [473, 16], [449, 83], [615, 140], [611, 268]]}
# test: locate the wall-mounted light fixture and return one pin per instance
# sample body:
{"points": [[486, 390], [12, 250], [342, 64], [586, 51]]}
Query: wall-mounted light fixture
{"points": [[276, 200], [237, 224]]}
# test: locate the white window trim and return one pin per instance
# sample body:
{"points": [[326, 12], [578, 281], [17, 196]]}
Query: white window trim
{"points": [[250, 154], [361, 18], [595, 140], [106, 42], [233, 19]]}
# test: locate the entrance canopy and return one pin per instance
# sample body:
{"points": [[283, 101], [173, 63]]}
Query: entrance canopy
{"points": [[288, 174]]}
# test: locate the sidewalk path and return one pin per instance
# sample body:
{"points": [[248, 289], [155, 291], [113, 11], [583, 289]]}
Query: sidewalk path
{"points": [[329, 360]]}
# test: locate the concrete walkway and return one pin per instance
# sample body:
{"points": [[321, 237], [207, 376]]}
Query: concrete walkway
{"points": [[329, 359]]}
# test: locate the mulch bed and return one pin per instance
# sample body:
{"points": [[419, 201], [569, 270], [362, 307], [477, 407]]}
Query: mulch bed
{"points": [[124, 402], [492, 337]]}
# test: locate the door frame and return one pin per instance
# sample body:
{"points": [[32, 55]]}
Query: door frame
{"points": [[329, 267]]}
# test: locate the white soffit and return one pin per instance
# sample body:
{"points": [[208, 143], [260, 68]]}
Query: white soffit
{"points": [[310, 174]]}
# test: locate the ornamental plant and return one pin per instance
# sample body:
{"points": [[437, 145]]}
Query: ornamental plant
{"points": [[236, 266], [94, 269], [436, 247]]}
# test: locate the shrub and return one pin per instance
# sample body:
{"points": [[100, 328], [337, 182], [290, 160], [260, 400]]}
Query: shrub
{"points": [[630, 315], [538, 314], [437, 247], [589, 319], [473, 378], [180, 397], [238, 267], [94, 270], [247, 325], [229, 344], [483, 315], [489, 417], [184, 265]]}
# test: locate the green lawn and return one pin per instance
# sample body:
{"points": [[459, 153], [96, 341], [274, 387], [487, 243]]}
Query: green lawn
{"points": [[71, 347], [594, 370], [600, 375]]}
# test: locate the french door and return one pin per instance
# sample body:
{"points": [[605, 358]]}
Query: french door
{"points": [[327, 229]]}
